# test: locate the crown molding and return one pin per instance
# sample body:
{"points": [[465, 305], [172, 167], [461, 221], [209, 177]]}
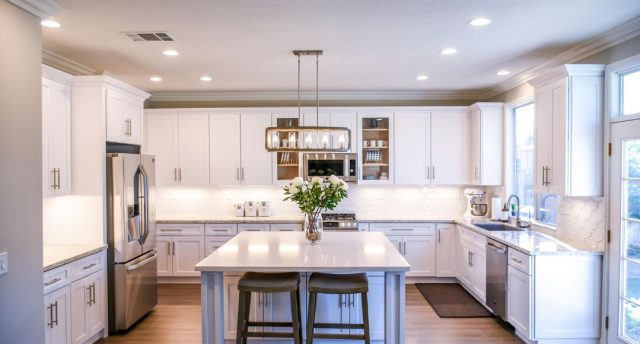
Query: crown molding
{"points": [[56, 75], [305, 95], [40, 8], [54, 60], [108, 81], [622, 33]]}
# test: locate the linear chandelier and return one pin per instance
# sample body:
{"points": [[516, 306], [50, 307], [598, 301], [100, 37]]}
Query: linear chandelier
{"points": [[308, 138]]}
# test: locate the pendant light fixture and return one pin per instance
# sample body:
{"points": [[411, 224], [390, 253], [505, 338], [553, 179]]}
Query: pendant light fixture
{"points": [[308, 138]]}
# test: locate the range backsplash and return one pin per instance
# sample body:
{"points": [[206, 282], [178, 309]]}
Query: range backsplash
{"points": [[366, 201]]}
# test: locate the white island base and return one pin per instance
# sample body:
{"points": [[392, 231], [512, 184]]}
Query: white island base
{"points": [[289, 251]]}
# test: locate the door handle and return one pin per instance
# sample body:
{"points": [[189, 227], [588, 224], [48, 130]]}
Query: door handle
{"points": [[50, 309], [237, 173], [46, 284], [428, 173], [173, 248], [142, 263], [89, 266], [470, 258], [89, 290], [53, 184], [544, 170], [180, 174], [175, 173], [55, 305], [93, 289], [433, 172], [439, 235]]}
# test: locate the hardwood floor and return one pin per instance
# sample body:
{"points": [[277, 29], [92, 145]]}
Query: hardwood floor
{"points": [[176, 319]]}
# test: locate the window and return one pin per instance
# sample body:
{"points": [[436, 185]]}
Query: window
{"points": [[630, 86], [543, 207]]}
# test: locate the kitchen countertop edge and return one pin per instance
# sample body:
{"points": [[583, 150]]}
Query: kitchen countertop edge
{"points": [[77, 256]]}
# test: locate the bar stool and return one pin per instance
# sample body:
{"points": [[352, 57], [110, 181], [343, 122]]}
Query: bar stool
{"points": [[258, 282], [322, 283]]}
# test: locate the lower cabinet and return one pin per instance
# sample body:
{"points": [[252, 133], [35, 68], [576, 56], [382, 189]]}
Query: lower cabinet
{"points": [[472, 262], [446, 252], [57, 313], [177, 255], [345, 309], [87, 308], [518, 300], [75, 301], [419, 251]]}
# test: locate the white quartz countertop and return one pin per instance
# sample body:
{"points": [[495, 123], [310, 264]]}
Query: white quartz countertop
{"points": [[230, 219], [290, 251], [57, 255]]}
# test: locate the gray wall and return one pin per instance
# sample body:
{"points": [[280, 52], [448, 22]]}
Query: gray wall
{"points": [[21, 301]]}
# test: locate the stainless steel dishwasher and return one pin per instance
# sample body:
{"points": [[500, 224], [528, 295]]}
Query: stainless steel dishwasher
{"points": [[496, 298]]}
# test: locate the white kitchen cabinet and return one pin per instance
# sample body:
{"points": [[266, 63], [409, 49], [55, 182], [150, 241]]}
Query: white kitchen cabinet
{"points": [[87, 307], [518, 300], [212, 243], [165, 258], [187, 251], [478, 262], [56, 132], [446, 252], [569, 130], [377, 164], [485, 144], [432, 147], [237, 149], [472, 269], [180, 248], [124, 116], [231, 298], [419, 251], [286, 227], [180, 143], [57, 315], [333, 118]]}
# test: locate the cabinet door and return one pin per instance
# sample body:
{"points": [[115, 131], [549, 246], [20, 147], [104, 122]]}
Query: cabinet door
{"points": [[396, 240], [133, 113], [449, 147], [474, 146], [214, 243], [412, 155], [464, 266], [446, 250], [231, 299], [310, 119], [187, 252], [543, 136], [347, 120], [162, 141], [332, 308], [95, 311], [559, 134], [519, 300], [116, 125], [375, 298], [255, 160], [420, 252], [193, 149], [491, 124], [165, 258], [478, 273], [224, 152], [56, 107], [80, 296], [57, 316]]}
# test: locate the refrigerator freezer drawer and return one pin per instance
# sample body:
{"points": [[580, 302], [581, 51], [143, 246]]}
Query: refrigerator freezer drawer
{"points": [[135, 289]]}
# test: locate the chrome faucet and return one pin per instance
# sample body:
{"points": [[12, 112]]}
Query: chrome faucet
{"points": [[519, 222]]}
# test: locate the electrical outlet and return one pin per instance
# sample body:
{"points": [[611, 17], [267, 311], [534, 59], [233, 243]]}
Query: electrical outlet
{"points": [[4, 263]]}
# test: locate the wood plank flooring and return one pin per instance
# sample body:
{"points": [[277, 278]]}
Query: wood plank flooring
{"points": [[176, 319]]}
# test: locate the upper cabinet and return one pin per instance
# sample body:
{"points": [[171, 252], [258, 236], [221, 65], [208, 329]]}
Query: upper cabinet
{"points": [[238, 155], [333, 118], [569, 130], [485, 146], [432, 147], [286, 165], [180, 143], [56, 132], [124, 117], [376, 131]]}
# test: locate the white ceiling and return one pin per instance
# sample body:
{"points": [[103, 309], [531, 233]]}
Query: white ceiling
{"points": [[369, 45]]}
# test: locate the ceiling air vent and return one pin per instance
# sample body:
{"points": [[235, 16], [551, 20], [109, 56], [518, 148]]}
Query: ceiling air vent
{"points": [[150, 36]]}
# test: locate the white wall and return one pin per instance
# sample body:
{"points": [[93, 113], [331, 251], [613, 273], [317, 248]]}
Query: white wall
{"points": [[21, 302]]}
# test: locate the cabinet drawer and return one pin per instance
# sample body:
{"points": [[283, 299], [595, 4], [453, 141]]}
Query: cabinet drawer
{"points": [[404, 228], [253, 227], [180, 229], [213, 243], [473, 238], [286, 227], [363, 227], [86, 266], [221, 229], [520, 261], [56, 278]]}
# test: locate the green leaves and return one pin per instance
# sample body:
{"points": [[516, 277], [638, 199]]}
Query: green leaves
{"points": [[312, 198]]}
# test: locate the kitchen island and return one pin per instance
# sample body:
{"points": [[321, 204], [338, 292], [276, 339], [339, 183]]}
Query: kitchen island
{"points": [[289, 251]]}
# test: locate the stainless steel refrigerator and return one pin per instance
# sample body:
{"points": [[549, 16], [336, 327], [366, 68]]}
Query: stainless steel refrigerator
{"points": [[131, 236]]}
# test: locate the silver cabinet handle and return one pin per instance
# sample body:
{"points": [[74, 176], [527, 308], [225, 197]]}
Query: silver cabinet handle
{"points": [[242, 173], [544, 170], [55, 305], [237, 173], [58, 179], [470, 258], [142, 263], [89, 290], [547, 175], [171, 229], [179, 173], [173, 248], [50, 309], [53, 184], [439, 235], [401, 229], [169, 248], [516, 260], [433, 172], [93, 291], [175, 173], [428, 173], [55, 280], [89, 266]]}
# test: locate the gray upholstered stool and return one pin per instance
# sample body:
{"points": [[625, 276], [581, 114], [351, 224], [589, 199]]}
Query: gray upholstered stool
{"points": [[321, 283], [257, 282]]}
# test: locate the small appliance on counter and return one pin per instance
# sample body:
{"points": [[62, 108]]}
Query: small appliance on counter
{"points": [[238, 209], [476, 203], [264, 208], [250, 208]]}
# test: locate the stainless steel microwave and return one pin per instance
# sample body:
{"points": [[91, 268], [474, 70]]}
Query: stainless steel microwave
{"points": [[341, 165]]}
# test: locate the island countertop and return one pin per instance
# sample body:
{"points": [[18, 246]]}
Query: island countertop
{"points": [[290, 251]]}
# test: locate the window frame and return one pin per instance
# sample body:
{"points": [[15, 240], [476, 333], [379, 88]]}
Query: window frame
{"points": [[512, 184], [613, 97]]}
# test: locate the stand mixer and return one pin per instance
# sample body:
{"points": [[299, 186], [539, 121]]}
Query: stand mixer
{"points": [[476, 203]]}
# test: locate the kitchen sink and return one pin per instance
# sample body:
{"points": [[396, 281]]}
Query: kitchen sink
{"points": [[497, 227]]}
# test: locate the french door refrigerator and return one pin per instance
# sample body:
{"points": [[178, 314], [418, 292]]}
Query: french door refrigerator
{"points": [[131, 236]]}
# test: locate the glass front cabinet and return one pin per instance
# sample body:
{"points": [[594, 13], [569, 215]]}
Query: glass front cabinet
{"points": [[286, 165], [376, 151]]}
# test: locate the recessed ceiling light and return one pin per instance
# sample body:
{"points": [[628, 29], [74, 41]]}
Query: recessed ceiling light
{"points": [[503, 72], [206, 78], [155, 78], [480, 21], [448, 51], [50, 23], [171, 52], [422, 77]]}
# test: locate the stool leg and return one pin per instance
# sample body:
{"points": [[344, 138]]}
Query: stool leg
{"points": [[365, 317], [311, 317], [246, 313], [295, 320], [299, 314], [240, 326]]}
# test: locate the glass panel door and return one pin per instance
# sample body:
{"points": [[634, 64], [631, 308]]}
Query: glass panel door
{"points": [[624, 307]]}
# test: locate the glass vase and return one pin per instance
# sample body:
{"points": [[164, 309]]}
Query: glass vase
{"points": [[313, 228]]}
